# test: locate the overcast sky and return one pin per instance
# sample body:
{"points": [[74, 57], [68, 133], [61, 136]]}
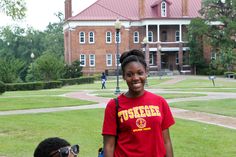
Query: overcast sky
{"points": [[39, 14]]}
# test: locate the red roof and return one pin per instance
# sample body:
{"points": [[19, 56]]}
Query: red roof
{"points": [[128, 10]]}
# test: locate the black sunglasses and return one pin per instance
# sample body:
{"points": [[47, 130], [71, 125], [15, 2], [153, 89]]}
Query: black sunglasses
{"points": [[65, 151]]}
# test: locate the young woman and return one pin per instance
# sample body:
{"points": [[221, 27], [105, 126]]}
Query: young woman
{"points": [[141, 126]]}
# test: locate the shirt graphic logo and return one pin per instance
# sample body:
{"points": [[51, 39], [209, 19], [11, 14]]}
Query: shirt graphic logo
{"points": [[141, 123]]}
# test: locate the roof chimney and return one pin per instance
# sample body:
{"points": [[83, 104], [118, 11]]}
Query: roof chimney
{"points": [[184, 7], [141, 8], [68, 9]]}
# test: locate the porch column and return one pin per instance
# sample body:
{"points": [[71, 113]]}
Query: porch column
{"points": [[158, 33], [147, 56], [159, 56], [180, 33], [147, 31], [180, 54]]}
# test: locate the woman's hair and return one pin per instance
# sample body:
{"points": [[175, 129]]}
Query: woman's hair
{"points": [[132, 56], [47, 146]]}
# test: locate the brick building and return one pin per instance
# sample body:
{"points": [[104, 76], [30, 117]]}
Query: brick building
{"points": [[158, 27]]}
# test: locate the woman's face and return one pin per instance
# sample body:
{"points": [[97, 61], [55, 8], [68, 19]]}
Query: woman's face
{"points": [[135, 76]]}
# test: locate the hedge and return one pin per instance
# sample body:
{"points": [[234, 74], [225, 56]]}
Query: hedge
{"points": [[33, 85], [81, 80], [47, 85], [2, 87]]}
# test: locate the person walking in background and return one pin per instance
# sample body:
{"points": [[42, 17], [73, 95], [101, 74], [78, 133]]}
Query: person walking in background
{"points": [[56, 147], [140, 125], [103, 79]]}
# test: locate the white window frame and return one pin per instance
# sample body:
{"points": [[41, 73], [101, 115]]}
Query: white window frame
{"points": [[92, 60], [108, 37], [91, 37], [82, 37], [177, 36], [136, 37], [119, 37], [163, 9], [150, 36], [82, 60], [109, 60]]}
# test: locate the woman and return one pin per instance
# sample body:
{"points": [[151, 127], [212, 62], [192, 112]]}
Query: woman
{"points": [[141, 126], [56, 147]]}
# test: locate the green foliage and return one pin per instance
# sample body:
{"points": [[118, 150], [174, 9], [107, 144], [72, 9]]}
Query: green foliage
{"points": [[14, 8], [73, 71], [223, 34], [2, 87], [33, 86], [82, 80], [46, 67], [10, 69]]}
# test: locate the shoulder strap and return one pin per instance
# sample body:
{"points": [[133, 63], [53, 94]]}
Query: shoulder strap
{"points": [[117, 118]]}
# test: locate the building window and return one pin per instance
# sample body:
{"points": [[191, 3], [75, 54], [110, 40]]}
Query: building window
{"points": [[108, 37], [136, 37], [118, 37], [109, 59], [82, 37], [92, 60], [118, 59], [163, 9], [177, 36], [82, 60], [164, 36], [151, 57], [150, 36], [177, 58], [213, 56], [91, 37]]}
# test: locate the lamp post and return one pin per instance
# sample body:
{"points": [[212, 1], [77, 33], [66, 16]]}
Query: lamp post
{"points": [[117, 27], [146, 46], [32, 57]]}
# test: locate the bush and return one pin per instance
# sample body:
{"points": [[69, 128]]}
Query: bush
{"points": [[33, 85], [81, 80], [2, 87], [227, 73]]}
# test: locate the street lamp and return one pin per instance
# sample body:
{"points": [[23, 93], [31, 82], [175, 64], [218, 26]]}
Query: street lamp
{"points": [[32, 57], [117, 27]]}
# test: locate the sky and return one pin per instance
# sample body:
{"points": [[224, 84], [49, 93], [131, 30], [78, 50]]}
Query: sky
{"points": [[39, 15]]}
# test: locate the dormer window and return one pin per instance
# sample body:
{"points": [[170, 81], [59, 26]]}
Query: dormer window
{"points": [[163, 9]]}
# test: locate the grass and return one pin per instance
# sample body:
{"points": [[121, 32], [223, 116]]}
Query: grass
{"points": [[22, 133], [33, 102], [225, 107]]}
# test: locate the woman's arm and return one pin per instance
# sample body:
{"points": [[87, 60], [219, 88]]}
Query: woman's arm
{"points": [[109, 145], [167, 142]]}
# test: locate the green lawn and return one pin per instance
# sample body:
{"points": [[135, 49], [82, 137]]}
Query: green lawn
{"points": [[225, 107], [21, 134], [32, 102]]}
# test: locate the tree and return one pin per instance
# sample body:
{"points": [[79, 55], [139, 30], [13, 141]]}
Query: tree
{"points": [[220, 17], [10, 69], [46, 67], [73, 71], [13, 8]]}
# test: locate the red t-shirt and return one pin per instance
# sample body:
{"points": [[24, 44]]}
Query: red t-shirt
{"points": [[141, 122]]}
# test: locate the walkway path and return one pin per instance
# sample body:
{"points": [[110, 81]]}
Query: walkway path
{"points": [[225, 121]]}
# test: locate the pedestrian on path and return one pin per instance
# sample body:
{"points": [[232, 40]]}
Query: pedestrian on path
{"points": [[139, 126], [103, 80], [56, 147]]}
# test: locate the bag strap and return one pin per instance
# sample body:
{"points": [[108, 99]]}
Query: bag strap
{"points": [[117, 118]]}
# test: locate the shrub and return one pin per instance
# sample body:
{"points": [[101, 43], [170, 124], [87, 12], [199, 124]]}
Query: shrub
{"points": [[2, 87], [81, 80], [227, 73], [33, 85]]}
